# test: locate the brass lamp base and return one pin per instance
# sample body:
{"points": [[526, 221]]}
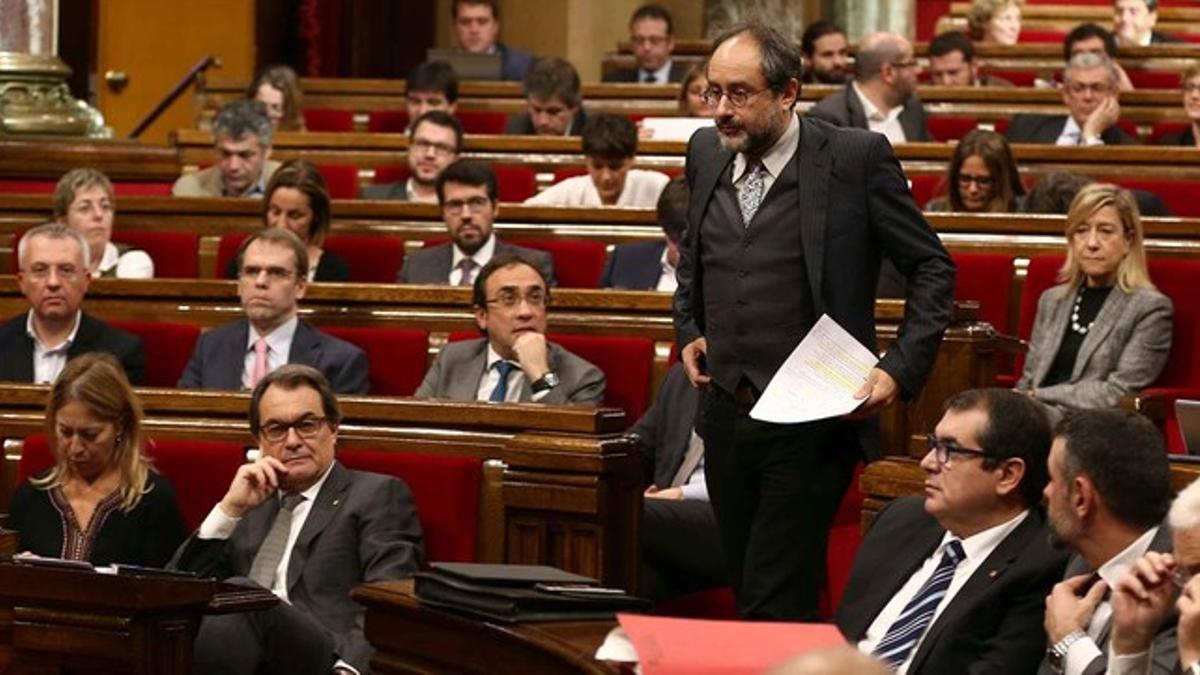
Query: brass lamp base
{"points": [[35, 99]]}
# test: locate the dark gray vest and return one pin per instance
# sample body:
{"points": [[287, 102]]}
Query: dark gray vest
{"points": [[757, 300]]}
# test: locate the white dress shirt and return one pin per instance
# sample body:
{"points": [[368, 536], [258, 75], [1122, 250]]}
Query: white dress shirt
{"points": [[279, 346], [491, 377], [661, 76], [49, 360], [977, 548], [666, 279], [642, 188], [1072, 134], [481, 258], [410, 188], [886, 123], [774, 161]]}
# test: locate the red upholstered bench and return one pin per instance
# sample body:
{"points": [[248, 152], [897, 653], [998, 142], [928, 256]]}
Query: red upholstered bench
{"points": [[372, 259], [515, 183], [1043, 270], [319, 119], [397, 356], [481, 121], [1161, 129], [1176, 278], [175, 254], [200, 471], [951, 128], [227, 249], [387, 121], [341, 179], [569, 172], [1179, 195], [1153, 79], [445, 489], [927, 186], [168, 347], [390, 174], [987, 279], [577, 264]]}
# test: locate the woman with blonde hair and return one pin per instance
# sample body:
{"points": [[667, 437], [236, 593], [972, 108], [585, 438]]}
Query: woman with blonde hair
{"points": [[997, 21], [1104, 331], [278, 89], [102, 501]]}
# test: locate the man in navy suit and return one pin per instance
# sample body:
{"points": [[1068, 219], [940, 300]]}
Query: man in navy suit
{"points": [[477, 25], [652, 33], [650, 265], [272, 274]]}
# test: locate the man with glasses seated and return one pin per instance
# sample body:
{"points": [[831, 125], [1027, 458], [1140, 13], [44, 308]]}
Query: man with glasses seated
{"points": [[54, 276], [955, 581], [273, 273], [514, 361], [651, 31], [882, 96], [1090, 87], [434, 141], [1109, 491], [301, 525], [467, 194]]}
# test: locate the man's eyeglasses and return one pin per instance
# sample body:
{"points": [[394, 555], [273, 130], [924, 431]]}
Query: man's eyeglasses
{"points": [[420, 145], [476, 204], [911, 63], [983, 182], [251, 272], [306, 427], [736, 97], [42, 271], [943, 450], [1191, 88], [1095, 88], [510, 299]]}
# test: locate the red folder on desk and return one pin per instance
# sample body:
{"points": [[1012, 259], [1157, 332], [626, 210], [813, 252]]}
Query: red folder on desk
{"points": [[669, 646]]}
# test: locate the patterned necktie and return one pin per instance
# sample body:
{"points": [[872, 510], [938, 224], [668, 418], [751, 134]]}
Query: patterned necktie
{"points": [[500, 393], [908, 628], [751, 196], [266, 561], [261, 363], [467, 265]]}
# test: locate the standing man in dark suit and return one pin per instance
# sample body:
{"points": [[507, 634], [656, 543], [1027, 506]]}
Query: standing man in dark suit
{"points": [[652, 33], [790, 218], [1090, 94], [553, 102], [434, 141], [954, 582], [298, 523], [513, 361], [272, 273], [650, 265], [1108, 495], [477, 27], [54, 276], [883, 94], [466, 192]]}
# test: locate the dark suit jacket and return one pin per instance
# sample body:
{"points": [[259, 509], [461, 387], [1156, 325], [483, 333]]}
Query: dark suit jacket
{"points": [[1186, 138], [992, 625], [362, 527], [220, 359], [634, 266], [1166, 646], [514, 63], [16, 348], [456, 372], [521, 124], [854, 207], [678, 70], [1157, 38], [1047, 129], [666, 428], [843, 109], [431, 265], [397, 191]]}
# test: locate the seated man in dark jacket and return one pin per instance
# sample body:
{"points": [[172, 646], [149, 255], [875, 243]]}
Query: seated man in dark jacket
{"points": [[1090, 87], [650, 265]]}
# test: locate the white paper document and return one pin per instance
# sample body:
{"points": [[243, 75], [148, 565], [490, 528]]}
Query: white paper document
{"points": [[819, 379], [675, 128]]}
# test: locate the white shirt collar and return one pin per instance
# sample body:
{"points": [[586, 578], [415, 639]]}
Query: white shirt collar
{"points": [[778, 156], [493, 357], [481, 257], [279, 340], [1120, 564], [666, 262], [410, 188], [986, 541], [66, 344], [110, 258], [661, 76], [872, 113]]}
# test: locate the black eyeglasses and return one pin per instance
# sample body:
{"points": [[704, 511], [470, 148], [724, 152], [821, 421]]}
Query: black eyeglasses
{"points": [[306, 427], [942, 450], [736, 97], [984, 182]]}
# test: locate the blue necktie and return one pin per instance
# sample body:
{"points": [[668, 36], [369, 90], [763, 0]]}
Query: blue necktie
{"points": [[501, 390], [908, 628]]}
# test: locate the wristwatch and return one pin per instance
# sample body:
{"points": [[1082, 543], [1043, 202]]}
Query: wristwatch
{"points": [[1056, 653], [544, 383]]}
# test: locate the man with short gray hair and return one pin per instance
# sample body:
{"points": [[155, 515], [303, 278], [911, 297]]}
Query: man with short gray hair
{"points": [[1090, 88], [882, 96], [54, 276], [242, 136]]}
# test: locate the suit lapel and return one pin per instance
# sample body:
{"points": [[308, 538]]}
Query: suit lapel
{"points": [[322, 511], [1106, 321], [813, 169], [892, 574], [306, 347], [978, 586], [16, 352], [706, 182], [84, 337], [854, 109], [464, 384], [652, 269], [1058, 326], [235, 348]]}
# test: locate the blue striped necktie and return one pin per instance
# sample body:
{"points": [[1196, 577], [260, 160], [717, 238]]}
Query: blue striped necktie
{"points": [[500, 393], [908, 628]]}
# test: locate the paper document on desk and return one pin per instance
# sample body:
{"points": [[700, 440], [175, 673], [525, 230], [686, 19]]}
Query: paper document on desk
{"points": [[819, 379]]}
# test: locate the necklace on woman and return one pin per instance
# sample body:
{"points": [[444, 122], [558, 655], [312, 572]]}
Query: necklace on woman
{"points": [[1082, 330]]}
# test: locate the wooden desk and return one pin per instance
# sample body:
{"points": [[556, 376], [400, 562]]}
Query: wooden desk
{"points": [[410, 638]]}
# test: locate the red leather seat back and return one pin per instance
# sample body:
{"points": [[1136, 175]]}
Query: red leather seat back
{"points": [[445, 490], [577, 264], [515, 183], [227, 250], [341, 179], [986, 278], [391, 174], [396, 356], [1020, 78], [387, 121], [175, 254], [1161, 129], [627, 363], [927, 186], [1153, 79], [569, 172], [1179, 195], [481, 121], [1043, 271], [372, 259], [168, 347], [318, 119], [1177, 279], [950, 128], [1042, 36]]}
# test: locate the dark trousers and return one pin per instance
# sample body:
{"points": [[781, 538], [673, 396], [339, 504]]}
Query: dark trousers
{"points": [[278, 640], [681, 549], [775, 489]]}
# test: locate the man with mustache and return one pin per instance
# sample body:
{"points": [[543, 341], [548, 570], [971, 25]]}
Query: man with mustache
{"points": [[466, 192], [789, 219], [826, 53], [434, 141]]}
